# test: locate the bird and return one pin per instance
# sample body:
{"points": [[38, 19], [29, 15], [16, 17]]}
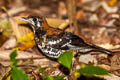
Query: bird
{"points": [[54, 41]]}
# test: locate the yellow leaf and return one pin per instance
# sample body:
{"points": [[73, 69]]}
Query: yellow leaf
{"points": [[26, 38], [26, 41], [112, 2], [26, 45]]}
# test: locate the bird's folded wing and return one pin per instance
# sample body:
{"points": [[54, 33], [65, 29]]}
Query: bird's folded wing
{"points": [[67, 41]]}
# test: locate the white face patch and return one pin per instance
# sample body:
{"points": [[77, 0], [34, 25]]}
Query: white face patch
{"points": [[38, 24], [31, 21], [34, 23]]}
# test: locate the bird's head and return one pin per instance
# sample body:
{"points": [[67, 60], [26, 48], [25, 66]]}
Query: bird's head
{"points": [[35, 21], [39, 23]]}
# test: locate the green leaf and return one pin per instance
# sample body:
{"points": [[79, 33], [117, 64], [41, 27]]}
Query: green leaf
{"points": [[54, 78], [6, 26], [49, 77], [18, 74], [66, 59], [42, 71], [92, 71], [58, 77], [13, 57]]}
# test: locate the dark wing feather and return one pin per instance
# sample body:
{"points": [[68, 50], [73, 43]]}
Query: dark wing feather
{"points": [[68, 41], [75, 40]]}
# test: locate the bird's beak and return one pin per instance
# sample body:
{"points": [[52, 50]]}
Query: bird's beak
{"points": [[25, 19]]}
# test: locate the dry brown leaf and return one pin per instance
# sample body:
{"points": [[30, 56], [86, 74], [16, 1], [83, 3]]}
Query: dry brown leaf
{"points": [[57, 23], [6, 76], [80, 15], [62, 11]]}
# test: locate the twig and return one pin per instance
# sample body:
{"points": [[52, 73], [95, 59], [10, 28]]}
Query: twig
{"points": [[96, 25], [71, 10], [38, 57]]}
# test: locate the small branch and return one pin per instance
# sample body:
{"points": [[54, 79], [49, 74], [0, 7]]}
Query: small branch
{"points": [[71, 10], [38, 57]]}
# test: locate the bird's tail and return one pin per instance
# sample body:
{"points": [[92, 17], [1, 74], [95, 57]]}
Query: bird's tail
{"points": [[100, 49]]}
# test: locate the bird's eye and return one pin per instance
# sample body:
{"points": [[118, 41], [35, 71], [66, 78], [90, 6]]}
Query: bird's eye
{"points": [[34, 19]]}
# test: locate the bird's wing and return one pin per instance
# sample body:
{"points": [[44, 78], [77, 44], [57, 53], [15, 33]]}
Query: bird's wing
{"points": [[66, 41], [69, 41]]}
